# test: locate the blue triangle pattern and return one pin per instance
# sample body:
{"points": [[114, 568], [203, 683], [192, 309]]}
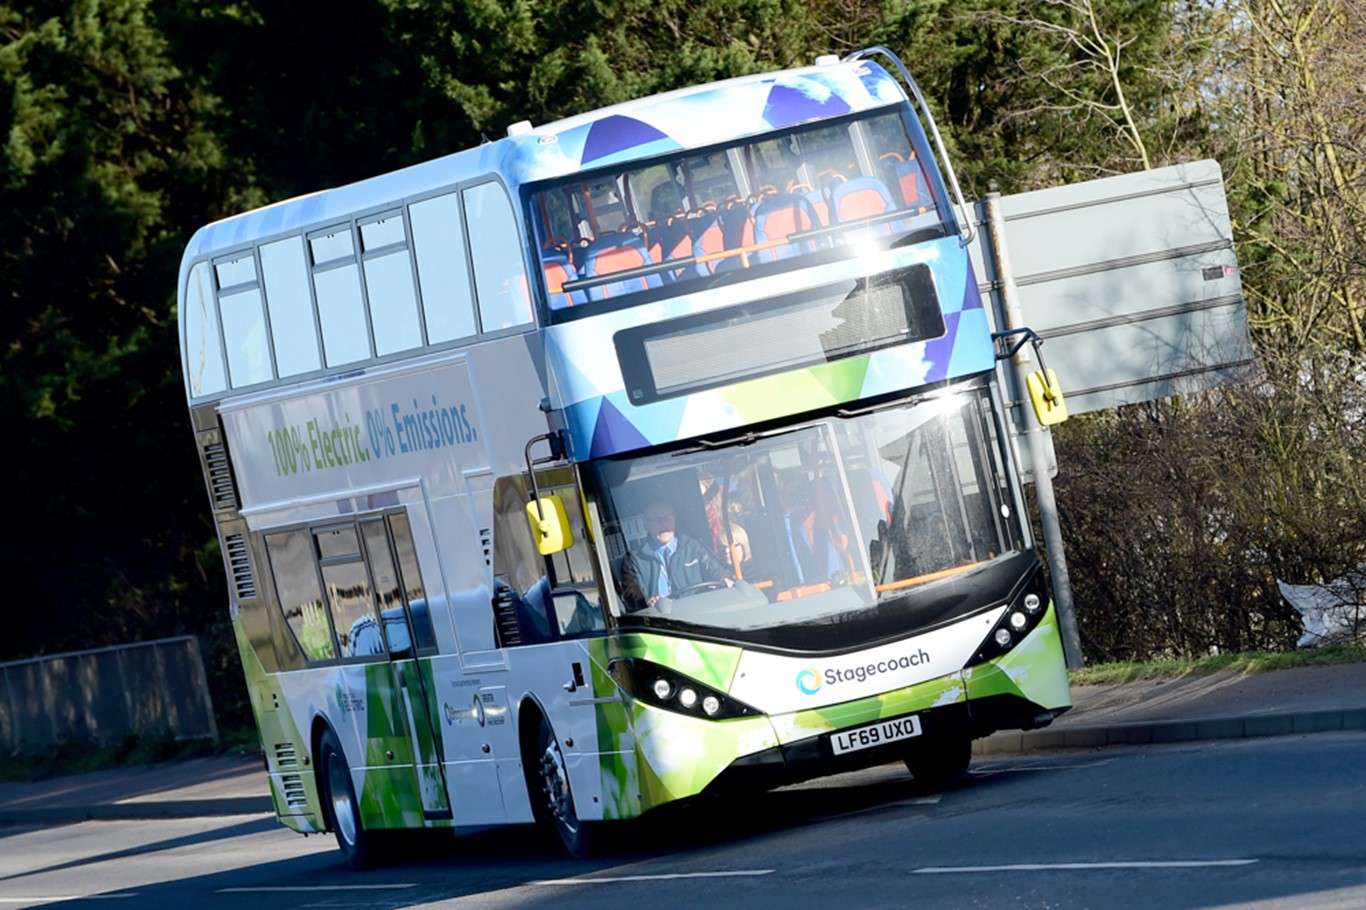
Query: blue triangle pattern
{"points": [[612, 134], [614, 433], [939, 351]]}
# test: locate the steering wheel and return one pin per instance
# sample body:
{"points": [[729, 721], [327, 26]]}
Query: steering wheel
{"points": [[698, 588]]}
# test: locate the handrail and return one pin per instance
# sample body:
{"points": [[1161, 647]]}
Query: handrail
{"points": [[924, 579], [966, 237]]}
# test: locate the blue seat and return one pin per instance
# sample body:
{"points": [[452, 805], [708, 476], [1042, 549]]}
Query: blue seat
{"points": [[617, 252], [558, 270], [862, 197], [779, 216]]}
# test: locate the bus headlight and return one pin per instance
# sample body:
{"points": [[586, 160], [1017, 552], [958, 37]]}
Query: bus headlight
{"points": [[1022, 615], [663, 688]]}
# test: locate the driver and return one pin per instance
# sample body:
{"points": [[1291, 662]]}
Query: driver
{"points": [[666, 564]]}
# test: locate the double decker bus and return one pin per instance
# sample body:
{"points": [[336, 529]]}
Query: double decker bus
{"points": [[444, 415]]}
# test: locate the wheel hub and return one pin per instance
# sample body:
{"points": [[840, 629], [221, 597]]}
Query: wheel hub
{"points": [[555, 785]]}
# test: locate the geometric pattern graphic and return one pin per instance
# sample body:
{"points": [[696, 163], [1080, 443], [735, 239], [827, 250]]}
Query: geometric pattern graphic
{"points": [[601, 420]]}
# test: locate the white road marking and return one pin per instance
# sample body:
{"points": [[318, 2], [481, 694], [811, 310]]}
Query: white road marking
{"points": [[1048, 867], [264, 889], [595, 880], [53, 898]]}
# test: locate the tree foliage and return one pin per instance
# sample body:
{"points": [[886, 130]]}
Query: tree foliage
{"points": [[128, 123], [105, 160]]}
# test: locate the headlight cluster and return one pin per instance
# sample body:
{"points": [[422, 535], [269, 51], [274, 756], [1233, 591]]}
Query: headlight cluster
{"points": [[1019, 620], [664, 688]]}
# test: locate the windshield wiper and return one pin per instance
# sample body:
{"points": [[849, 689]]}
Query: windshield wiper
{"points": [[748, 438]]}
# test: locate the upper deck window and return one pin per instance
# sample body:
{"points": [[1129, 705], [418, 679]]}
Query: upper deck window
{"points": [[389, 285], [341, 306], [290, 302], [442, 270], [786, 199], [244, 321], [499, 275], [203, 344]]}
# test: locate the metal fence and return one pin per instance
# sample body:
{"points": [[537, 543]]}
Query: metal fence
{"points": [[149, 688]]}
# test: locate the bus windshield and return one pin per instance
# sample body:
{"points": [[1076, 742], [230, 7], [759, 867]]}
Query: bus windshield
{"points": [[674, 225], [846, 525]]}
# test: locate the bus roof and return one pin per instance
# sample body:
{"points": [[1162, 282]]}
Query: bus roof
{"points": [[677, 120]]}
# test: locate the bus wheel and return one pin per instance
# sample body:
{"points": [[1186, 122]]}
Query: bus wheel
{"points": [[343, 811], [555, 801], [940, 760]]}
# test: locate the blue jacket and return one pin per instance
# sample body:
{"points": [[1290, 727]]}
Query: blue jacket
{"points": [[689, 565]]}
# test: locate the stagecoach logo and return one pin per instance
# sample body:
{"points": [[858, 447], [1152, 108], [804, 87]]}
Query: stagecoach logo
{"points": [[809, 682], [347, 703]]}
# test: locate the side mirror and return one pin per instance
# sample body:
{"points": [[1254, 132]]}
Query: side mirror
{"points": [[549, 525], [1045, 392]]}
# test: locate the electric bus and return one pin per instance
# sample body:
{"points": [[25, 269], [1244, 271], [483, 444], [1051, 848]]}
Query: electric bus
{"points": [[435, 409]]}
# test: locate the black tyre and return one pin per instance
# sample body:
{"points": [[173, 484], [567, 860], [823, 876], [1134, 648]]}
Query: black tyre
{"points": [[940, 760], [553, 800], [357, 845]]}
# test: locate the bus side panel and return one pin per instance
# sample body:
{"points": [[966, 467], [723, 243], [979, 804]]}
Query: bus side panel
{"points": [[617, 768], [477, 735], [546, 680], [464, 576], [293, 786], [391, 795], [1034, 670]]}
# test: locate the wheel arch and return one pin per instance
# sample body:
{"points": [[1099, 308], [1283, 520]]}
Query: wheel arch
{"points": [[320, 726]]}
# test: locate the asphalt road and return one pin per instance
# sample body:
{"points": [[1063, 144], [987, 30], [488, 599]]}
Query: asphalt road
{"points": [[1265, 823]]}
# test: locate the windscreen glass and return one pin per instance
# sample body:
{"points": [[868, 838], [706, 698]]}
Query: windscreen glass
{"points": [[844, 528], [674, 225]]}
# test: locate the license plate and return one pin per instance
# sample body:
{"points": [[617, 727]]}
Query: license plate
{"points": [[878, 734]]}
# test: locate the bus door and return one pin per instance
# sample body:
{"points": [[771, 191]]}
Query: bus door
{"points": [[548, 608], [401, 597]]}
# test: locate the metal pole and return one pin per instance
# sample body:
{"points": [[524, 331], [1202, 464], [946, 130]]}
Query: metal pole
{"points": [[1038, 455]]}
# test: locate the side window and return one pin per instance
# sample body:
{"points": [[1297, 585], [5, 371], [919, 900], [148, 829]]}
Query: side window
{"points": [[348, 593], [284, 270], [398, 583], [203, 343], [499, 272], [578, 604], [294, 566], [244, 320], [341, 308], [442, 271], [389, 284], [539, 600], [411, 579], [388, 589]]}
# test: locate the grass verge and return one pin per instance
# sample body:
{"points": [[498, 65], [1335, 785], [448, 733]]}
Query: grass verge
{"points": [[1250, 662]]}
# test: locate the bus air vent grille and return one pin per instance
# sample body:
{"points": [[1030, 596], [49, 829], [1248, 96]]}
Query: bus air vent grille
{"points": [[286, 756], [486, 541], [221, 487], [292, 785], [243, 581]]}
